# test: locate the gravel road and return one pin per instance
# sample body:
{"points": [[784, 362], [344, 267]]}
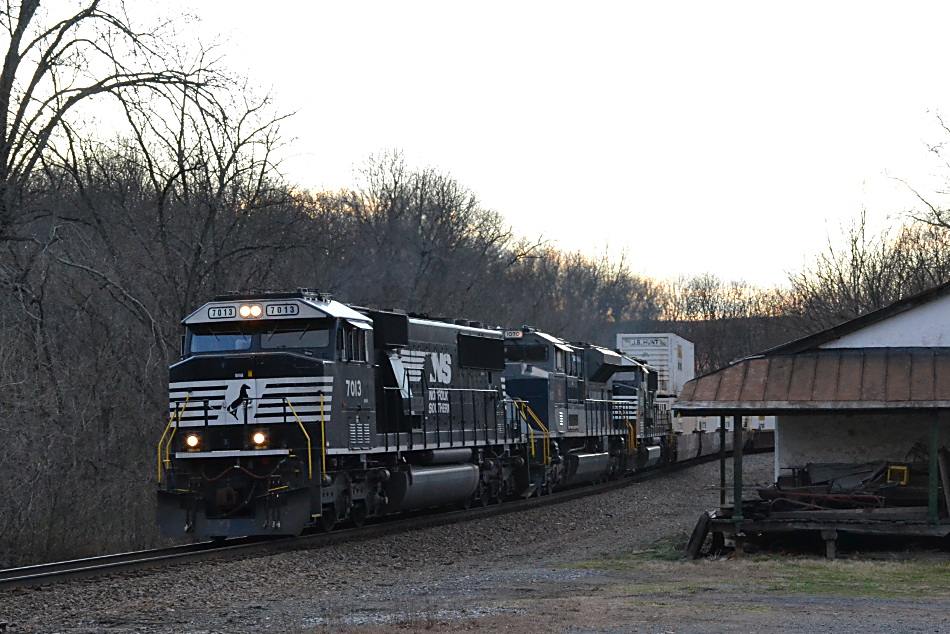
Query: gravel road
{"points": [[515, 573]]}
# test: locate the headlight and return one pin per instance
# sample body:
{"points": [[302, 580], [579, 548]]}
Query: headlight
{"points": [[250, 310], [193, 441], [259, 439]]}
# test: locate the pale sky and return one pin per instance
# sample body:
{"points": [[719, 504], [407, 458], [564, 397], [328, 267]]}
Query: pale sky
{"points": [[730, 138]]}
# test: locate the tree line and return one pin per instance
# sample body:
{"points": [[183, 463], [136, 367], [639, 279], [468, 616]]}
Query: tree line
{"points": [[106, 243]]}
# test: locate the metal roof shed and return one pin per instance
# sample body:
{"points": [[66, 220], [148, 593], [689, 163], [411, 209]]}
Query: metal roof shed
{"points": [[876, 388]]}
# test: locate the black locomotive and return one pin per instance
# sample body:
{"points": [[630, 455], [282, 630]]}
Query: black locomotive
{"points": [[293, 410]]}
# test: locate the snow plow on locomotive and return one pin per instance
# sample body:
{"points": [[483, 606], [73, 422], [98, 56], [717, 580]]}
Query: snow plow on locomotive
{"points": [[290, 411]]}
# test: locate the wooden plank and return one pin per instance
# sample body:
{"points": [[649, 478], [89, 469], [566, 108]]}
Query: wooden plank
{"points": [[900, 513], [727, 527], [695, 544]]}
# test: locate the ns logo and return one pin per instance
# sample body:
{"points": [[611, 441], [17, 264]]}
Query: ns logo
{"points": [[441, 368]]}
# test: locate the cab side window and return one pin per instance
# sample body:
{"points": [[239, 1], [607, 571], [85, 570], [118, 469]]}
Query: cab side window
{"points": [[357, 345], [351, 343]]}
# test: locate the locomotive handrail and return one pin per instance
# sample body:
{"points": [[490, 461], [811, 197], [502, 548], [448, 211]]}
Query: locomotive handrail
{"points": [[306, 435], [601, 406], [632, 445], [164, 433], [522, 406], [323, 439]]}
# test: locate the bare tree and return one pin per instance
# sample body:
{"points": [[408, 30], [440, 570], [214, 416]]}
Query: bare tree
{"points": [[420, 228], [725, 320], [104, 245], [52, 65], [869, 272]]}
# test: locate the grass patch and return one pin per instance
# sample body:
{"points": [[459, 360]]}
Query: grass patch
{"points": [[657, 570], [897, 580], [667, 549]]}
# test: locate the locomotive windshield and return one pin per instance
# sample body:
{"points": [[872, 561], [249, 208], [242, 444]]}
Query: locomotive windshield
{"points": [[296, 334], [526, 352], [218, 338], [308, 335]]}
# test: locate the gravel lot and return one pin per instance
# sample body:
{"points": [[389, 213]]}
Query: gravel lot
{"points": [[517, 573]]}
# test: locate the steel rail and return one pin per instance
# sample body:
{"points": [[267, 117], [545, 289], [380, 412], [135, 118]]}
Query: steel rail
{"points": [[59, 571], [76, 569]]}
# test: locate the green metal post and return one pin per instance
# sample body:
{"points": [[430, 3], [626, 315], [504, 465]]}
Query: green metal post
{"points": [[932, 503], [722, 461], [737, 469]]}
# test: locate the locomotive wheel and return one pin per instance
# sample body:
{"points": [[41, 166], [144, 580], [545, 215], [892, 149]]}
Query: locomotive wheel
{"points": [[499, 492], [482, 495], [358, 514], [328, 518]]}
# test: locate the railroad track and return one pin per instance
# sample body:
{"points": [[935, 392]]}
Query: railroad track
{"points": [[60, 572]]}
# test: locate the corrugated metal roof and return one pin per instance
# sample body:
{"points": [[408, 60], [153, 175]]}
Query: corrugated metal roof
{"points": [[865, 379]]}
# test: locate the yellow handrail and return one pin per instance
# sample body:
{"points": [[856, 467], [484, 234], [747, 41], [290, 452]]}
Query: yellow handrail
{"points": [[632, 445], [524, 407], [160, 442], [306, 435], [164, 433]]}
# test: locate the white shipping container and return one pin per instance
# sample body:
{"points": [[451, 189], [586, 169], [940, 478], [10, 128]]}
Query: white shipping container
{"points": [[671, 355]]}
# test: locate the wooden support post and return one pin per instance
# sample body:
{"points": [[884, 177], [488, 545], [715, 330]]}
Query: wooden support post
{"points": [[695, 544], [739, 540], [737, 469], [831, 543], [943, 461], [722, 461], [932, 501]]}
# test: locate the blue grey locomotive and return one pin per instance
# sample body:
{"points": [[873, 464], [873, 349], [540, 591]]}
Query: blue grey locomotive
{"points": [[294, 410], [579, 432]]}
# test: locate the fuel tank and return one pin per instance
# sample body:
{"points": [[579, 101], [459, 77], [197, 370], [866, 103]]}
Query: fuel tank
{"points": [[586, 467], [422, 487]]}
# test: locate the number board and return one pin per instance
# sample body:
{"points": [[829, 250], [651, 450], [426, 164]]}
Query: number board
{"points": [[222, 312], [281, 310], [513, 334]]}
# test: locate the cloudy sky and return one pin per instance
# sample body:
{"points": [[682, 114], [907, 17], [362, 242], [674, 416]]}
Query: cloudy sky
{"points": [[733, 138]]}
